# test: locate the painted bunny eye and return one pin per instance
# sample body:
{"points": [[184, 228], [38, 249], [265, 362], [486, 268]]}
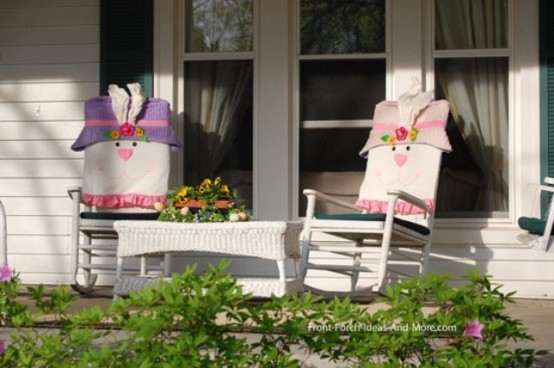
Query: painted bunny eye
{"points": [[394, 148], [407, 148], [117, 144], [135, 144]]}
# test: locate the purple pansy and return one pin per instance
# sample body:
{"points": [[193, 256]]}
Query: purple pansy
{"points": [[5, 273], [474, 328]]}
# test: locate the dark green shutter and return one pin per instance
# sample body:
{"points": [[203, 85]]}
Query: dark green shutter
{"points": [[546, 34], [126, 43]]}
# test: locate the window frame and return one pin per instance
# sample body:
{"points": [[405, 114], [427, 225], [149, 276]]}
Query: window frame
{"points": [[184, 56], [508, 52], [524, 95], [328, 124], [299, 57]]}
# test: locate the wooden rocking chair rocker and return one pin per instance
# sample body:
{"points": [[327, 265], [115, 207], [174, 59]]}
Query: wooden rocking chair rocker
{"points": [[396, 198], [126, 143]]}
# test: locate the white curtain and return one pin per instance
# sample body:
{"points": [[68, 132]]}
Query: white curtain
{"points": [[217, 95], [477, 88]]}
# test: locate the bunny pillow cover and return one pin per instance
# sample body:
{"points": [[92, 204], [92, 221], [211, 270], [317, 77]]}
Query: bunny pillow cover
{"points": [[127, 141], [404, 151]]}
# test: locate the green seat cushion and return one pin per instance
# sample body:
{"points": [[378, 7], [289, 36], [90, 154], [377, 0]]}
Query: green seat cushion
{"points": [[533, 225], [120, 215], [373, 217]]}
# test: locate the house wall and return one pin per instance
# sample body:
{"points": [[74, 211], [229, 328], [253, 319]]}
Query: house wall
{"points": [[49, 65]]}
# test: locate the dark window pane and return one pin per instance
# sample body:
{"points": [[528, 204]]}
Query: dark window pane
{"points": [[332, 149], [342, 27], [218, 138], [475, 176], [329, 162], [341, 90]]}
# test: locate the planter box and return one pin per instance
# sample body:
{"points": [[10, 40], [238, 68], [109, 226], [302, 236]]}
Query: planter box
{"points": [[199, 204]]}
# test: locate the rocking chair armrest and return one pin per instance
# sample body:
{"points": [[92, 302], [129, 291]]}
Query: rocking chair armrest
{"points": [[75, 193], [546, 188], [410, 198], [328, 198], [548, 180]]}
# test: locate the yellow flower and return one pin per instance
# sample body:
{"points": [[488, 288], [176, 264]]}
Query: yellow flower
{"points": [[206, 183], [225, 189], [182, 192], [391, 140], [139, 132], [412, 135], [217, 180], [115, 134]]}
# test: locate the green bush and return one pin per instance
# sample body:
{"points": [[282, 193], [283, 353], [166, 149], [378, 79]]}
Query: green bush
{"points": [[198, 321]]}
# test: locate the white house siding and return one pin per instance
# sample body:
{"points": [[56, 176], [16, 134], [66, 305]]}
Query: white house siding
{"points": [[496, 252], [49, 65]]}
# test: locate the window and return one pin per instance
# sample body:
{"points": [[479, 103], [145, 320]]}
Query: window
{"points": [[472, 61], [342, 67], [285, 92], [218, 93]]}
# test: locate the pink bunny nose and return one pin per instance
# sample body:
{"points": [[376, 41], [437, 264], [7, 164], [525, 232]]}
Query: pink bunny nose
{"points": [[125, 153], [400, 159]]}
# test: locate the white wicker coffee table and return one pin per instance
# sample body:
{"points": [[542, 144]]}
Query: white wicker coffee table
{"points": [[273, 240]]}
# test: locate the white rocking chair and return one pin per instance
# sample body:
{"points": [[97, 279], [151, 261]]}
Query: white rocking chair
{"points": [[94, 242], [126, 143], [396, 199], [536, 228]]}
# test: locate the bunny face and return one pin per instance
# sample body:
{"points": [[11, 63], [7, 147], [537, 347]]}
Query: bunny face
{"points": [[126, 173], [411, 168], [401, 167]]}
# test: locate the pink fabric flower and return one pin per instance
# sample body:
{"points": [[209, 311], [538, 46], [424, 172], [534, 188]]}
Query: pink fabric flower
{"points": [[474, 328], [2, 346], [5, 273], [127, 129], [401, 133]]}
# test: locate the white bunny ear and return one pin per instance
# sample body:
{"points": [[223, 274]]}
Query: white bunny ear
{"points": [[412, 102], [120, 101], [137, 101]]}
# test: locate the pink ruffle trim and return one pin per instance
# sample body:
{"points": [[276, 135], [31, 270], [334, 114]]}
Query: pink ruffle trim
{"points": [[402, 208], [123, 200]]}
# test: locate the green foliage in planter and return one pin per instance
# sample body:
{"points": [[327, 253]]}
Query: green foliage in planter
{"points": [[198, 321], [176, 208]]}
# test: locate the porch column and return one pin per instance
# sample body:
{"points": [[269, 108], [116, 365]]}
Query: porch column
{"points": [[273, 142]]}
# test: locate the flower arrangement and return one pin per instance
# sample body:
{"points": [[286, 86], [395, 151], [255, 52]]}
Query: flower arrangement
{"points": [[127, 130], [211, 201], [400, 135]]}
